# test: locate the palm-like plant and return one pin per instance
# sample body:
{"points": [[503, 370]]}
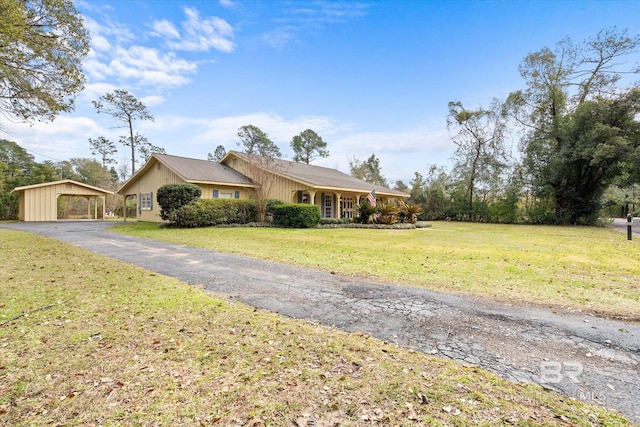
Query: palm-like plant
{"points": [[410, 212], [365, 212], [388, 213]]}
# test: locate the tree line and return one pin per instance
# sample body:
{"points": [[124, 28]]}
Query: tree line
{"points": [[578, 142]]}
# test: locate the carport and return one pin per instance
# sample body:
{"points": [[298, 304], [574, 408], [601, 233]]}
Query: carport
{"points": [[39, 202]]}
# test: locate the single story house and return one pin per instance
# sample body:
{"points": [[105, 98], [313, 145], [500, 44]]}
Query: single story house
{"points": [[239, 175], [39, 202]]}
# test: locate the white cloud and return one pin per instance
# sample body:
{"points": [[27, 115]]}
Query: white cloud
{"points": [[280, 37], [115, 56], [145, 66], [313, 17], [198, 34], [224, 130], [94, 90], [62, 139], [401, 154], [166, 29], [152, 100], [228, 4]]}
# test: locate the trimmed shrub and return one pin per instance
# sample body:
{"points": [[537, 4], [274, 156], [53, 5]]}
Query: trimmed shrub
{"points": [[298, 215], [335, 221], [172, 197], [210, 212]]}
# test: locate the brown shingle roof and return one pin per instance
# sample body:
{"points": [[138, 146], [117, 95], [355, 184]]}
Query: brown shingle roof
{"points": [[195, 170]]}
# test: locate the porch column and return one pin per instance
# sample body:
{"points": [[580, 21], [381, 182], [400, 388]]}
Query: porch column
{"points": [[89, 206], [104, 208], [338, 210], [312, 196]]}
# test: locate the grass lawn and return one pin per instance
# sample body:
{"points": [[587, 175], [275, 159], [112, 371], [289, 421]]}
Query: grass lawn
{"points": [[86, 340], [569, 268]]}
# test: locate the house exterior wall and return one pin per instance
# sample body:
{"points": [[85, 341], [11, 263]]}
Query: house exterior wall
{"points": [[210, 191], [158, 174], [282, 189], [148, 184]]}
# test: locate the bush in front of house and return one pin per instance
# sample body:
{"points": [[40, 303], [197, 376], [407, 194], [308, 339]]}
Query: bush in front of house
{"points": [[298, 215], [172, 197], [335, 221], [365, 212], [210, 212]]}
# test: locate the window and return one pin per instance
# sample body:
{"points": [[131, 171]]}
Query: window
{"points": [[217, 194], [145, 201]]}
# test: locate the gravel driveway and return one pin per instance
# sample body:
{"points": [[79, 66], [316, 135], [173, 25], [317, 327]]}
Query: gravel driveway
{"points": [[581, 356]]}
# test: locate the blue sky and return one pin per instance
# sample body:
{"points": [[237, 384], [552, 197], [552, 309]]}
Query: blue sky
{"points": [[370, 77]]}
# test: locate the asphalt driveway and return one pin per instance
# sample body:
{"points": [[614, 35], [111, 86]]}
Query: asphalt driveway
{"points": [[585, 357]]}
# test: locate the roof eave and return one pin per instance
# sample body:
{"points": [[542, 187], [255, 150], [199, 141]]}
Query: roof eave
{"points": [[228, 184]]}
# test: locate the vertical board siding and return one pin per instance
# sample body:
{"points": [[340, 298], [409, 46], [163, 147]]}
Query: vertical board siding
{"points": [[41, 203]]}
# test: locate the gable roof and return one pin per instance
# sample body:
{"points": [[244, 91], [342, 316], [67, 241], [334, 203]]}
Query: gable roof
{"points": [[194, 171], [64, 181], [318, 176], [203, 171]]}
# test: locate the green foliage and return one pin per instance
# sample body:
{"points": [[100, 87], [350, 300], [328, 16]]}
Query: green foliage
{"points": [[335, 221], [42, 45], [255, 141], [126, 108], [131, 208], [172, 197], [307, 146], [87, 171], [211, 212], [481, 154], [297, 215], [387, 213], [365, 212], [581, 130], [408, 212], [18, 169], [218, 154], [368, 170]]}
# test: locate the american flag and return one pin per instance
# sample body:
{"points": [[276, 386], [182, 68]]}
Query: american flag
{"points": [[372, 198]]}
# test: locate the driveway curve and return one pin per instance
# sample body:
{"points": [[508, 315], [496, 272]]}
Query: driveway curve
{"points": [[584, 357]]}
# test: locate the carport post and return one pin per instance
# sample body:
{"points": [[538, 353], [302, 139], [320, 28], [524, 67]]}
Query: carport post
{"points": [[629, 226]]}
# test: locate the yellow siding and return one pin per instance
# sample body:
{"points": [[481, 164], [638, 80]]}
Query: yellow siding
{"points": [[283, 189], [157, 176], [41, 203]]}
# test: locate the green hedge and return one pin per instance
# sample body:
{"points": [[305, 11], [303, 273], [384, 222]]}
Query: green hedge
{"points": [[298, 215], [172, 197], [209, 212]]}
